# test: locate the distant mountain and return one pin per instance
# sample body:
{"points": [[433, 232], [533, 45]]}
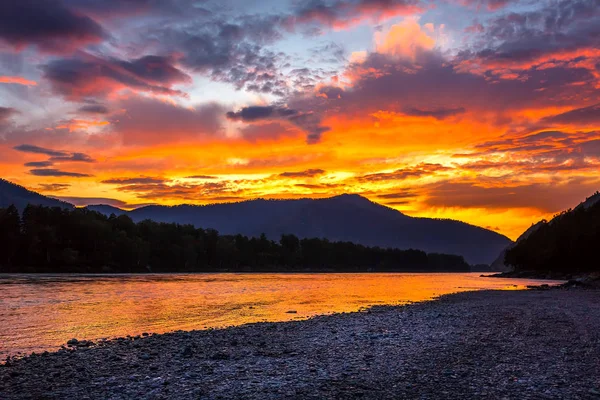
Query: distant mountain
{"points": [[349, 218], [11, 193], [342, 218], [106, 209]]}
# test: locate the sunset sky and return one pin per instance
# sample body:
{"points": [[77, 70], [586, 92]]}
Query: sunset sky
{"points": [[486, 111]]}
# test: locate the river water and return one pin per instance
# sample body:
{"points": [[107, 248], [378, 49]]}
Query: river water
{"points": [[42, 312]]}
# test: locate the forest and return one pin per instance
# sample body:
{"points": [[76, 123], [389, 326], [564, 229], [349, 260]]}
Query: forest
{"points": [[56, 240], [566, 244]]}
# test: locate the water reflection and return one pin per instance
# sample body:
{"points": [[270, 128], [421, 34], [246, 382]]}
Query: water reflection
{"points": [[42, 312]]}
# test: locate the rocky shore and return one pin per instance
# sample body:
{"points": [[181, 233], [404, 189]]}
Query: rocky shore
{"points": [[491, 345]]}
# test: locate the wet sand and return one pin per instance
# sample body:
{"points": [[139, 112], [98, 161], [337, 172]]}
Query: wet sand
{"points": [[491, 344]]}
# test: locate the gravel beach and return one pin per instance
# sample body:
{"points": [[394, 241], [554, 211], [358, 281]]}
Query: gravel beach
{"points": [[538, 344]]}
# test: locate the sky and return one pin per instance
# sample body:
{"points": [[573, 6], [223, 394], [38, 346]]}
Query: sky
{"points": [[486, 111]]}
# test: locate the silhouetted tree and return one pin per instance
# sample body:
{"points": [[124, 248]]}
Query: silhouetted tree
{"points": [[80, 240]]}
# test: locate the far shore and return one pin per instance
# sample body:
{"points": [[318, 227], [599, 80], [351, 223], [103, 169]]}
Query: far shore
{"points": [[488, 344]]}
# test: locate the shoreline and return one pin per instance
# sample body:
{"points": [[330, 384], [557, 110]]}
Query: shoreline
{"points": [[542, 344]]}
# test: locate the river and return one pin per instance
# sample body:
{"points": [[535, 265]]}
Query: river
{"points": [[42, 312]]}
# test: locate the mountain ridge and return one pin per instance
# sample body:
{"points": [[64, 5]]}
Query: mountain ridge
{"points": [[346, 218]]}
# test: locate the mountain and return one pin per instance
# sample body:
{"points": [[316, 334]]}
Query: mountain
{"points": [[566, 245], [351, 218], [11, 193], [106, 209], [342, 218], [499, 264]]}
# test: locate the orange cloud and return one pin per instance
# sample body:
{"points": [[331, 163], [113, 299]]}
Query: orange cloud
{"points": [[405, 39], [17, 80]]}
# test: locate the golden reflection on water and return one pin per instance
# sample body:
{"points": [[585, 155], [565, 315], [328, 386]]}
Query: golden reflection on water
{"points": [[42, 312]]}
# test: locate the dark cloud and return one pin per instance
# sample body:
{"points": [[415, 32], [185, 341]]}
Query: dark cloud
{"points": [[47, 24], [57, 173], [56, 156], [394, 196], [309, 173], [309, 122], [6, 113], [73, 157], [344, 13], [39, 164], [437, 113], [87, 75], [134, 181], [491, 5], [108, 8], [231, 51], [29, 148], [94, 109], [556, 28], [579, 117], [53, 187], [417, 171], [255, 113]]}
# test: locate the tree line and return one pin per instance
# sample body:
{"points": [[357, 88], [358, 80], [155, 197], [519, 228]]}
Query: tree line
{"points": [[45, 239], [566, 244]]}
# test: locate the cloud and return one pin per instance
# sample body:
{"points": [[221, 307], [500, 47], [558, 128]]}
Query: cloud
{"points": [[6, 113], [17, 80], [437, 113], [406, 39], [255, 113], [133, 181], [309, 173], [73, 157], [546, 197], [94, 109], [87, 75], [490, 5], [54, 187], [564, 32], [39, 164], [151, 121], [579, 117], [342, 14], [57, 173], [268, 131], [201, 177], [55, 155], [307, 121], [231, 52], [423, 169], [29, 148], [47, 25]]}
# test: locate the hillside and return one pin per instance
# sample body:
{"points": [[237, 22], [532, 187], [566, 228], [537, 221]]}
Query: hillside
{"points": [[349, 218], [342, 218], [565, 245], [498, 265], [11, 193]]}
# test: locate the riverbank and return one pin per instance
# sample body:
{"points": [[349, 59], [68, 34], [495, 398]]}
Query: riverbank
{"points": [[586, 280], [521, 344]]}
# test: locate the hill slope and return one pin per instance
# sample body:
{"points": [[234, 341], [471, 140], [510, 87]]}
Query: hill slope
{"points": [[567, 244], [342, 218], [11, 193]]}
